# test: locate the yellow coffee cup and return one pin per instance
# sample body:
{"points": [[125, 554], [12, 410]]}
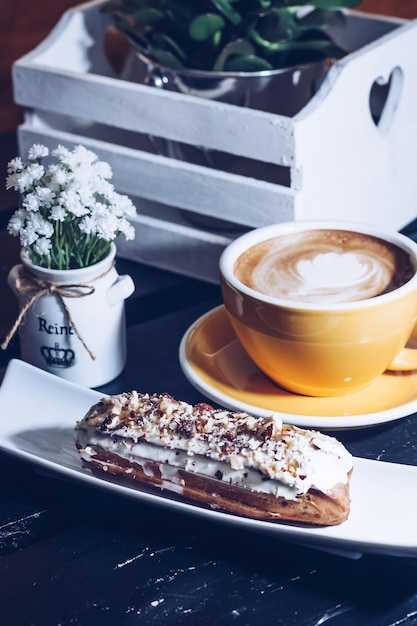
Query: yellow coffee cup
{"points": [[323, 307]]}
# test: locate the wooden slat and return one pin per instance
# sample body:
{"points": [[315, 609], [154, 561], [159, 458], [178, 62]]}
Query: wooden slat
{"points": [[144, 109], [245, 200]]}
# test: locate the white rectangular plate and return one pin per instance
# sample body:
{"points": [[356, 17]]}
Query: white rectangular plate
{"points": [[38, 412]]}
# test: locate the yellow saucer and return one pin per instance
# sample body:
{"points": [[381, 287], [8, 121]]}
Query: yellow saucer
{"points": [[215, 363]]}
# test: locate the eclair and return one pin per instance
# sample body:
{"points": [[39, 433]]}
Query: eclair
{"points": [[231, 461]]}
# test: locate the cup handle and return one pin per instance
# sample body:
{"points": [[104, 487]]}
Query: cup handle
{"points": [[405, 360]]}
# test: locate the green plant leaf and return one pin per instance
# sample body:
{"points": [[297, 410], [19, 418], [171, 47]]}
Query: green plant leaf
{"points": [[228, 11], [277, 24], [148, 16], [197, 33], [238, 47], [325, 4], [339, 4], [136, 5], [250, 63], [135, 39], [165, 58], [216, 39], [325, 46], [204, 26], [167, 43]]}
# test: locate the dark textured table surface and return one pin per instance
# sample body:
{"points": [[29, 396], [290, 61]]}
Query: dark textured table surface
{"points": [[74, 555]]}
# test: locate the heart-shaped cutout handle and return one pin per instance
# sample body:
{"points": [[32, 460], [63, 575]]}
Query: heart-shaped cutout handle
{"points": [[384, 98]]}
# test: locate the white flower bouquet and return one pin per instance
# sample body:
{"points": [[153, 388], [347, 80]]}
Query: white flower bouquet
{"points": [[69, 213]]}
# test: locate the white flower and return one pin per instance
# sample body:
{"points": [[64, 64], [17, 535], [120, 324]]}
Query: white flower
{"points": [[69, 205], [126, 229], [28, 236], [58, 214], [43, 246], [79, 158], [99, 210], [88, 225], [17, 222], [103, 188], [11, 182], [86, 195], [83, 156], [102, 169], [46, 196], [58, 175], [107, 226], [31, 202], [41, 226], [15, 165], [71, 201], [37, 151], [123, 205], [61, 153], [36, 171], [23, 181]]}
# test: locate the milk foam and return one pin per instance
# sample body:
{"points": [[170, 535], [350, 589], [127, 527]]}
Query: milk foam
{"points": [[326, 274], [331, 270], [322, 267]]}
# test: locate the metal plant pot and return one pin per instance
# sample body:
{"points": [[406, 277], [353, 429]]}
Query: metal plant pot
{"points": [[282, 91]]}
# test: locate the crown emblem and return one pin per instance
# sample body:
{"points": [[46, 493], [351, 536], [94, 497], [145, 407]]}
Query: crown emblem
{"points": [[58, 357]]}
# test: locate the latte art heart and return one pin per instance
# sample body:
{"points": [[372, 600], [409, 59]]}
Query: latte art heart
{"points": [[324, 266], [327, 276], [333, 270]]}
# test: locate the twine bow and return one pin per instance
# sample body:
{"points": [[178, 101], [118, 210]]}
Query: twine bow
{"points": [[27, 283]]}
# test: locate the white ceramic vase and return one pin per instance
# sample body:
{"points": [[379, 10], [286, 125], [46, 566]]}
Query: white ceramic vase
{"points": [[75, 326]]}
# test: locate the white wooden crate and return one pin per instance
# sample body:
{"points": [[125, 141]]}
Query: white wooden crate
{"points": [[340, 163]]}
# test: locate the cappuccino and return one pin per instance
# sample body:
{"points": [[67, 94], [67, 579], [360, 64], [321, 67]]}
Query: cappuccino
{"points": [[324, 266]]}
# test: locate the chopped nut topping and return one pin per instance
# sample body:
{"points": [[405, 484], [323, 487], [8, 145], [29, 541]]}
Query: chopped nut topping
{"points": [[281, 452]]}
